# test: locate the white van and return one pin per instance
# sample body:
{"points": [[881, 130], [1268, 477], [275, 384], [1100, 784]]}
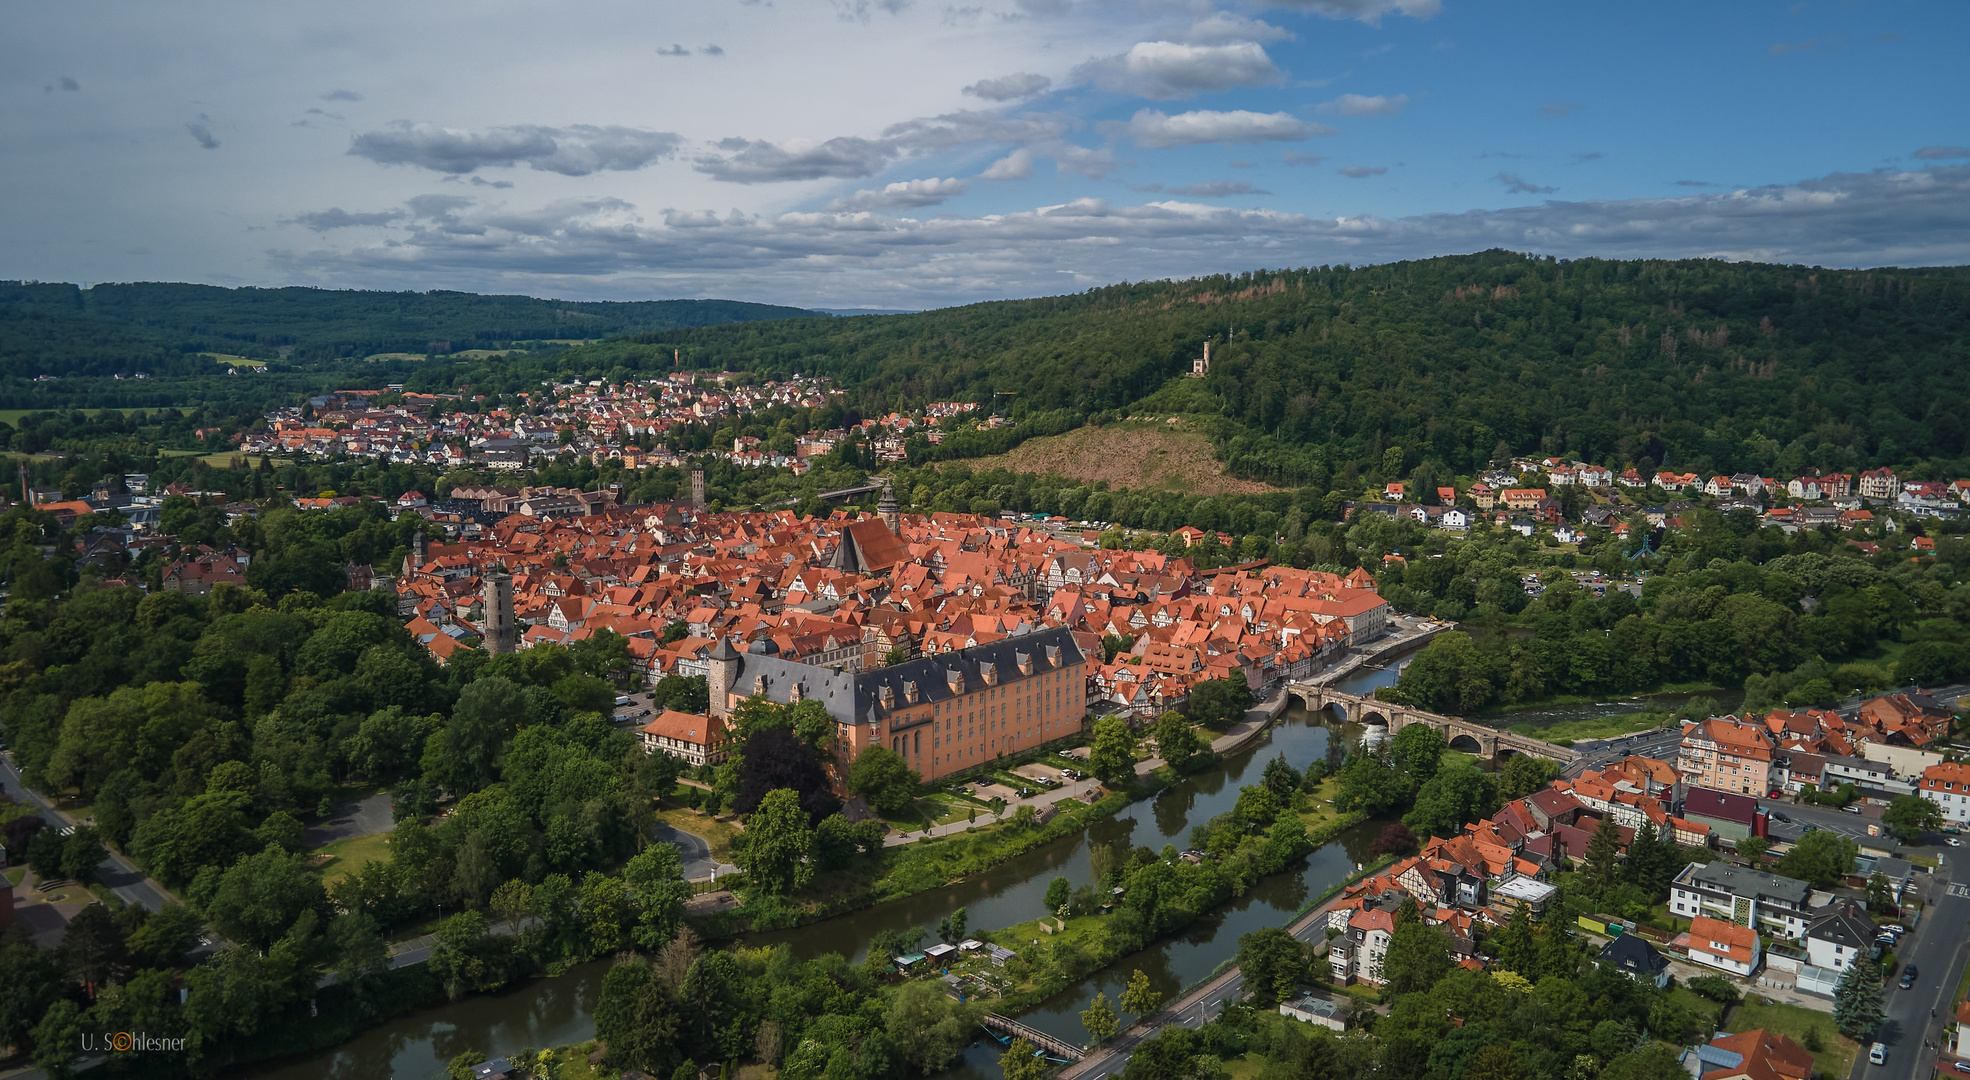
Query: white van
{"points": [[621, 701], [1878, 1054]]}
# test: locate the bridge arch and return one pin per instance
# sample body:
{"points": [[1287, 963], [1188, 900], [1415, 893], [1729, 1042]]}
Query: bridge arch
{"points": [[1465, 743], [1374, 716]]}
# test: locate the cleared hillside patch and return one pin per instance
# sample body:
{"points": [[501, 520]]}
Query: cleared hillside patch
{"points": [[1146, 455]]}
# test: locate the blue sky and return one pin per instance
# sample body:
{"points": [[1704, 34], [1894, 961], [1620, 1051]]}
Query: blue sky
{"points": [[915, 153]]}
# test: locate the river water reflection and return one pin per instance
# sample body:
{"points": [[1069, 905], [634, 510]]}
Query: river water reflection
{"points": [[550, 1012]]}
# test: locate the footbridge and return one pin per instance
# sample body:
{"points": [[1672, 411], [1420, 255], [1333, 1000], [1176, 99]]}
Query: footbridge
{"points": [[1462, 735], [1005, 1029]]}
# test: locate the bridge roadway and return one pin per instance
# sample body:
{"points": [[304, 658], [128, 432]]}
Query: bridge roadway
{"points": [[1460, 734], [1058, 1049]]}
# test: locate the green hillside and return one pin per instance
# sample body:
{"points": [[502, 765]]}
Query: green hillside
{"points": [[1322, 372], [63, 330]]}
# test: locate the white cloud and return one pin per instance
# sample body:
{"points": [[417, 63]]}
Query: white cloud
{"points": [[1167, 70], [903, 195], [1010, 87], [1362, 172], [1942, 153], [1153, 129], [605, 247], [577, 150], [1294, 157], [1223, 27], [1368, 11], [761, 162], [1017, 165], [1360, 105], [1217, 189]]}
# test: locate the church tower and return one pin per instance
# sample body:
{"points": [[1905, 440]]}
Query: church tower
{"points": [[497, 603], [887, 510]]}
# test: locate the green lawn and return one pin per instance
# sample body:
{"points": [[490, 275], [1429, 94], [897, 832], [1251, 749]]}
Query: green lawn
{"points": [[230, 360], [1604, 727], [347, 856], [718, 834], [1794, 1021]]}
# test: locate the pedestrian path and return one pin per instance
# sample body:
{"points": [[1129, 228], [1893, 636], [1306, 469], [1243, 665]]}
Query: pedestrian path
{"points": [[1256, 720]]}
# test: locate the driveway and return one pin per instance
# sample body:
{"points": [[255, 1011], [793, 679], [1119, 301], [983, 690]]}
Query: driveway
{"points": [[694, 852], [361, 817]]}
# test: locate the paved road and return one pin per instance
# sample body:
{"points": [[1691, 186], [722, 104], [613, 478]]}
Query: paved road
{"points": [[694, 852], [1937, 945], [122, 876], [362, 817]]}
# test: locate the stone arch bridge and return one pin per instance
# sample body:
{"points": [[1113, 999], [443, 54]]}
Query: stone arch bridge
{"points": [[1462, 735]]}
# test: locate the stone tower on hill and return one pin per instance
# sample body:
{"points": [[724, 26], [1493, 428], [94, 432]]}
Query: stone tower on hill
{"points": [[497, 601], [887, 510]]}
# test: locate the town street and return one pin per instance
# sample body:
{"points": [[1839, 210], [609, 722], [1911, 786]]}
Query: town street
{"points": [[1937, 947], [122, 876]]}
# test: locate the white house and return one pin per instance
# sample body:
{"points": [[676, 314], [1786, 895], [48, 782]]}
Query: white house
{"points": [[1724, 946], [1948, 786], [1839, 937]]}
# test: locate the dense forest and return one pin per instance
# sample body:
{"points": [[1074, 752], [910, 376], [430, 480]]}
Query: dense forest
{"points": [[1453, 361], [162, 328], [1801, 619]]}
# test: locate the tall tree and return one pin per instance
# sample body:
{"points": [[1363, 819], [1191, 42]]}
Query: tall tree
{"points": [[881, 776], [1022, 1062], [1176, 741], [1099, 1019], [777, 840], [1857, 1009], [1599, 873], [1417, 957], [1140, 997], [1112, 757]]}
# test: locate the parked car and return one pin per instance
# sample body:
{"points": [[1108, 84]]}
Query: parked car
{"points": [[1779, 815], [1908, 976], [1850, 808]]}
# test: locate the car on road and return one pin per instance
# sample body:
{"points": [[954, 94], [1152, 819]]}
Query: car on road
{"points": [[1878, 1054], [1850, 809], [1908, 976], [1779, 815], [1953, 841]]}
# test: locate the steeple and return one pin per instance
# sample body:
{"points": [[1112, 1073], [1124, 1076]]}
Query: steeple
{"points": [[887, 510]]}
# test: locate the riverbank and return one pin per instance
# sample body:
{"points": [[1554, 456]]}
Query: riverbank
{"points": [[946, 854], [1409, 634], [558, 1011]]}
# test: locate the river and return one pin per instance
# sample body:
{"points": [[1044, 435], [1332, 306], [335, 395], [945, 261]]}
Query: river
{"points": [[551, 1012]]}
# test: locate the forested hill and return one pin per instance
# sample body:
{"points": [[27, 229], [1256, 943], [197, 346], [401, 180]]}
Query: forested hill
{"points": [[1697, 364], [63, 330]]}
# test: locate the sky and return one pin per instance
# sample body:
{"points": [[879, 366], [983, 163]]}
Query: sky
{"points": [[908, 154]]}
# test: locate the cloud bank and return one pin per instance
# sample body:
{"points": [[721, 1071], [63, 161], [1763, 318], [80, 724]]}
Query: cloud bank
{"points": [[578, 150], [1844, 219]]}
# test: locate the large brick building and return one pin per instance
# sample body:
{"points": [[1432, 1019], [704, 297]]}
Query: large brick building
{"points": [[942, 713]]}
